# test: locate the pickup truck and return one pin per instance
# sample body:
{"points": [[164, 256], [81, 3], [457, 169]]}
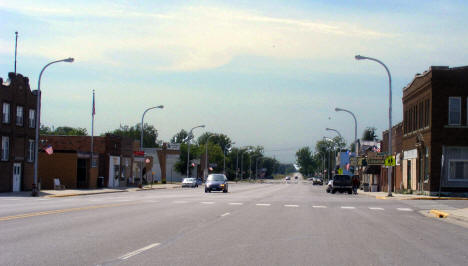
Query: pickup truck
{"points": [[340, 183]]}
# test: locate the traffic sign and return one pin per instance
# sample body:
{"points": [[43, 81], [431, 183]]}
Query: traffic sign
{"points": [[390, 161], [340, 171]]}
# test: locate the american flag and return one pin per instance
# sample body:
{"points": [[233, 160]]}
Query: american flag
{"points": [[49, 150]]}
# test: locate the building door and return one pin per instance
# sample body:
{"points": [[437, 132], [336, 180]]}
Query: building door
{"points": [[16, 177], [82, 174], [408, 174]]}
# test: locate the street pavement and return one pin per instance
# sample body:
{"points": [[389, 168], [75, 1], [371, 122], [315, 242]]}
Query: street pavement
{"points": [[274, 223]]}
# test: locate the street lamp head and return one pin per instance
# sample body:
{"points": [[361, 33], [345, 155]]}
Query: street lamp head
{"points": [[338, 109], [360, 57], [69, 60], [328, 129], [160, 106]]}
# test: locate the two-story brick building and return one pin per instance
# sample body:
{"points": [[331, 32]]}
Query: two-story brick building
{"points": [[435, 131], [17, 133]]}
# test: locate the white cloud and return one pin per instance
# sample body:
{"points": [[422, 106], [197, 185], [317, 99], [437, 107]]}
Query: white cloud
{"points": [[185, 39]]}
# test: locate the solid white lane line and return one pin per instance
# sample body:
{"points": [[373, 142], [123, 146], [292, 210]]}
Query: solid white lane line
{"points": [[376, 208], [138, 251], [226, 214], [319, 207], [348, 207], [207, 202], [263, 204], [235, 203], [291, 205], [405, 209]]}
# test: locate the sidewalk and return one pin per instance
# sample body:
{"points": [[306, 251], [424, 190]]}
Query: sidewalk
{"points": [[83, 192], [396, 196]]}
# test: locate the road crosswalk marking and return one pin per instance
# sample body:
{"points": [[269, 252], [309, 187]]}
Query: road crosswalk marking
{"points": [[405, 209]]}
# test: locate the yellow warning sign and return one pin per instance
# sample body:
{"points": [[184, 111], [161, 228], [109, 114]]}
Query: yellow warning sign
{"points": [[390, 161], [340, 171]]}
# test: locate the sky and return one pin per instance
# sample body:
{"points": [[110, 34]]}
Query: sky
{"points": [[266, 73]]}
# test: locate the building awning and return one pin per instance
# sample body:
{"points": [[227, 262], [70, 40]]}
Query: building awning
{"points": [[372, 169]]}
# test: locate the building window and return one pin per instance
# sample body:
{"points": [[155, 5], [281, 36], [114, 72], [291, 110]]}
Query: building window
{"points": [[32, 118], [6, 113], [454, 110], [458, 170], [421, 115], [19, 115], [426, 110], [5, 148], [31, 150]]}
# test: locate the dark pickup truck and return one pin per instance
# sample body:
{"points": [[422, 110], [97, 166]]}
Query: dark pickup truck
{"points": [[340, 183]]}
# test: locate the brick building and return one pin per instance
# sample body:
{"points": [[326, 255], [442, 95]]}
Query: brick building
{"points": [[435, 131], [71, 161], [17, 133], [397, 142]]}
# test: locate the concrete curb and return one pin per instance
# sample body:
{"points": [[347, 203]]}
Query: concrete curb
{"points": [[439, 214], [82, 194], [414, 198]]}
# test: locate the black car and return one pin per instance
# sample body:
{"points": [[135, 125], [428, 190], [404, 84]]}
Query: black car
{"points": [[216, 182], [340, 183]]}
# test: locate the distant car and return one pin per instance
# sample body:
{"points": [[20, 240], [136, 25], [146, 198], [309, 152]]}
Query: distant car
{"points": [[340, 183], [189, 182], [317, 181], [216, 182], [287, 178]]}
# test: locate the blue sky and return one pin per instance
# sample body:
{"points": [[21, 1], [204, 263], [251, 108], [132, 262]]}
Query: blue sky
{"points": [[263, 72]]}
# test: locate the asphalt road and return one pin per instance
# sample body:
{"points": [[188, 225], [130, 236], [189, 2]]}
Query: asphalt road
{"points": [[254, 224]]}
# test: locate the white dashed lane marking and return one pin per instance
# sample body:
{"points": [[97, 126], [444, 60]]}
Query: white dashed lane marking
{"points": [[376, 208], [405, 209], [226, 214], [207, 202], [291, 205], [138, 251], [319, 207], [348, 207], [263, 204], [235, 203]]}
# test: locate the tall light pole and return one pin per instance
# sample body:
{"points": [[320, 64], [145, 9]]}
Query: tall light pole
{"points": [[35, 189], [141, 137], [237, 163], [337, 109], [242, 162], [190, 135], [389, 171], [256, 166], [224, 153], [337, 132], [206, 155]]}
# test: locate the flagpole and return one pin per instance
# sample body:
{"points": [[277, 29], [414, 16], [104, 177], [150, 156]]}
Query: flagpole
{"points": [[92, 133]]}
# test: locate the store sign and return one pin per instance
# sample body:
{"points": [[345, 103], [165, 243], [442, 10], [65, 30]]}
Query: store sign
{"points": [[376, 160], [411, 154]]}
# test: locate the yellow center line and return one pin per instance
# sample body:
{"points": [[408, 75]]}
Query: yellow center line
{"points": [[33, 214]]}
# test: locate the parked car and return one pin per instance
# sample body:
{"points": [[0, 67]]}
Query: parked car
{"points": [[189, 182], [340, 183], [287, 178], [317, 181], [216, 182]]}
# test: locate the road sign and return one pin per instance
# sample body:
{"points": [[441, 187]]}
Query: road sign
{"points": [[376, 160], [390, 161], [340, 171]]}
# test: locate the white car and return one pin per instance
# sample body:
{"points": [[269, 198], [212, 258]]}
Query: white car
{"points": [[189, 182]]}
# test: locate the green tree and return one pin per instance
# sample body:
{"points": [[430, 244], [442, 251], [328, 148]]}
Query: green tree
{"points": [[220, 139], [305, 161], [180, 137], [63, 131], [150, 134], [369, 134]]}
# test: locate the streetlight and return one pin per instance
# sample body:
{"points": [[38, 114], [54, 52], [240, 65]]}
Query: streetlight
{"points": [[206, 155], [141, 137], [35, 188], [190, 134], [389, 171], [337, 109], [242, 163], [337, 132], [224, 153], [256, 166], [329, 155]]}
